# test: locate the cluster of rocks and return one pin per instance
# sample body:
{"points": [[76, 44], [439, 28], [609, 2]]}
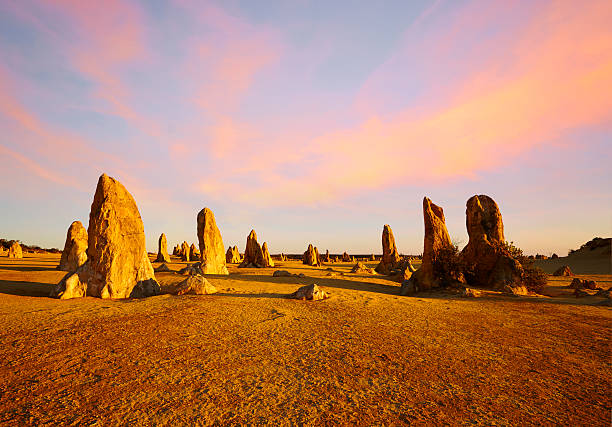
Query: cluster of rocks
{"points": [[485, 260], [311, 256], [232, 255], [360, 267], [117, 264], [285, 273], [256, 256]]}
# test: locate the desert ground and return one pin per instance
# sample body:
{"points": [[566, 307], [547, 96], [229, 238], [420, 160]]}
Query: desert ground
{"points": [[248, 355]]}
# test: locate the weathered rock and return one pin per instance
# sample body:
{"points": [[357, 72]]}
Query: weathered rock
{"points": [[267, 259], [162, 249], [554, 256], [282, 273], [212, 252], [563, 271], [390, 256], [117, 262], [310, 293], [516, 290], [346, 257], [232, 256], [195, 285], [583, 284], [470, 293], [283, 257], [163, 268], [311, 256], [185, 252], [360, 267], [194, 253], [436, 239], [15, 251], [491, 265], [176, 251], [74, 254], [192, 269], [253, 254], [372, 257], [327, 258]]}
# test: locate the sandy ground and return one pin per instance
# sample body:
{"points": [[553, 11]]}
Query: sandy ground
{"points": [[249, 356]]}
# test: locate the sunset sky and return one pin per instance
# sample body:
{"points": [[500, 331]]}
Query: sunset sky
{"points": [[310, 121]]}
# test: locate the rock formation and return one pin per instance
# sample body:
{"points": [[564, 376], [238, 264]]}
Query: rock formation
{"points": [[117, 262], [212, 250], [15, 251], [267, 259], [74, 254], [163, 268], [346, 257], [253, 254], [310, 293], [491, 265], [195, 285], [283, 257], [390, 256], [232, 256], [311, 256], [360, 267], [327, 258], [162, 249], [436, 239], [185, 252], [563, 271], [194, 253], [176, 251]]}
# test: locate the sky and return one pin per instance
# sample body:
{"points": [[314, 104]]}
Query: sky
{"points": [[309, 121]]}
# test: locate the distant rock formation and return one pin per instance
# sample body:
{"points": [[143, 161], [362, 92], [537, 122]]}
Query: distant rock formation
{"points": [[74, 254], [117, 262], [283, 257], [490, 264], [176, 251], [310, 293], [232, 256], [163, 268], [436, 239], [346, 257], [162, 249], [253, 254], [311, 257], [390, 256], [212, 252], [372, 257], [185, 252], [194, 253], [15, 251], [563, 271], [327, 258]]}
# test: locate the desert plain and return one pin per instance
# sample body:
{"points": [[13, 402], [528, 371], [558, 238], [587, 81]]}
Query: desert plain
{"points": [[249, 355]]}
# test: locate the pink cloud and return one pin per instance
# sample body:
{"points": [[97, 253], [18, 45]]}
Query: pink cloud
{"points": [[563, 63]]}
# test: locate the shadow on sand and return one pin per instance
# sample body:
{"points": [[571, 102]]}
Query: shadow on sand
{"points": [[26, 289]]}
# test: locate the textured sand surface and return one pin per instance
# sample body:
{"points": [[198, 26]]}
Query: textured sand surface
{"points": [[249, 355]]}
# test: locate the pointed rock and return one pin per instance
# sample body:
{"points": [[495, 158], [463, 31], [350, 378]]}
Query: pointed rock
{"points": [[267, 259], [311, 257], [74, 254], [162, 249], [253, 254], [15, 250], [390, 256]]}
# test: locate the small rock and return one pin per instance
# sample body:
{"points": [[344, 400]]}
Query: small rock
{"points": [[195, 285], [563, 271], [470, 293], [310, 293], [162, 268], [281, 273]]}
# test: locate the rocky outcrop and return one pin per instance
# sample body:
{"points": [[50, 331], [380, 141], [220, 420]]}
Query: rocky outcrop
{"points": [[583, 284], [360, 267], [194, 253], [563, 271], [117, 262], [74, 254], [490, 264], [212, 252], [390, 256], [232, 256], [185, 252], [311, 257], [346, 257], [327, 258], [253, 254], [436, 239], [162, 249], [195, 285], [163, 268], [267, 259], [15, 251], [310, 293], [176, 251]]}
